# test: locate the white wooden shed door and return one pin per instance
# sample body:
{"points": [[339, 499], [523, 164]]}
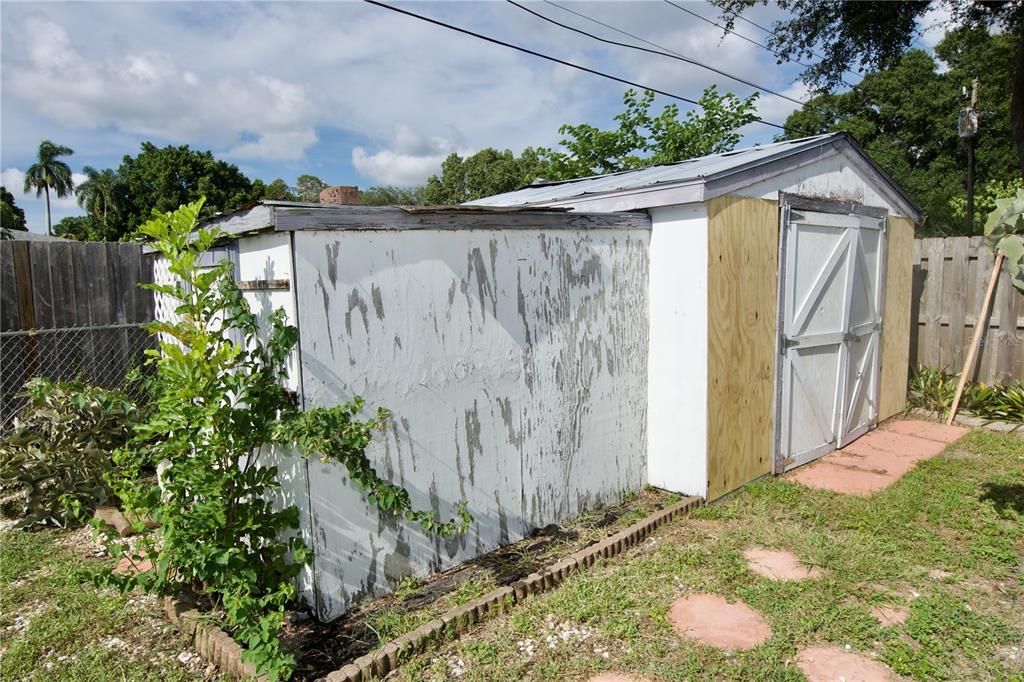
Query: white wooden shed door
{"points": [[831, 329]]}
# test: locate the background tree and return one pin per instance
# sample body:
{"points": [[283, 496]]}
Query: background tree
{"points": [[875, 35], [905, 116], [487, 172], [278, 190], [390, 195], [101, 194], [639, 140], [642, 140], [48, 174], [84, 228], [164, 178], [11, 216], [308, 187]]}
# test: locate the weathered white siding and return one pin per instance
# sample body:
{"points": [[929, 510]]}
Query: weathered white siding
{"points": [[514, 362], [268, 256], [839, 176]]}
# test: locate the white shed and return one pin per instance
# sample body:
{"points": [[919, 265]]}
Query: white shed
{"points": [[780, 283], [552, 348], [509, 345]]}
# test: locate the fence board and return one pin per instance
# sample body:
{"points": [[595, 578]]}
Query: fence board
{"points": [[42, 287], [8, 288], [70, 311], [954, 273]]}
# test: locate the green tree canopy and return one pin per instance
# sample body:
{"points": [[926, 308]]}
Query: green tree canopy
{"points": [[390, 195], [308, 187], [164, 178], [102, 193], [85, 228], [487, 172], [906, 118], [278, 190], [837, 36], [50, 174], [11, 216], [642, 140]]}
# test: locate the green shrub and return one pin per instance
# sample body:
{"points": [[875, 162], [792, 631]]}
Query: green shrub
{"points": [[52, 465], [218, 407], [933, 389]]}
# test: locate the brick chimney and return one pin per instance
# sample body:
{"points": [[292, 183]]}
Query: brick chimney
{"points": [[342, 195]]}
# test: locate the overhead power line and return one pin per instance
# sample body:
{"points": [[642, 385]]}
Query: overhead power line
{"points": [[663, 52], [816, 54], [580, 67], [541, 55], [729, 30]]}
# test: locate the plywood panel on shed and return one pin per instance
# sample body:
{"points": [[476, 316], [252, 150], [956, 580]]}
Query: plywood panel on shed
{"points": [[743, 267], [892, 391]]}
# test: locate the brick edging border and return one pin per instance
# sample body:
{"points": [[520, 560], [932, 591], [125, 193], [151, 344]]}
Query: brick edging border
{"points": [[217, 647], [212, 643], [459, 620]]}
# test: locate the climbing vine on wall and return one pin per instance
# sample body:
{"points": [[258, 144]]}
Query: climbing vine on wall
{"points": [[198, 463]]}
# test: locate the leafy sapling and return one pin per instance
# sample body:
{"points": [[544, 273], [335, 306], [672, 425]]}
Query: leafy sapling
{"points": [[197, 465]]}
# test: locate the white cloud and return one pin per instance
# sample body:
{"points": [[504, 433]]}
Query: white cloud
{"points": [[149, 92], [409, 160], [933, 24], [269, 82], [776, 109]]}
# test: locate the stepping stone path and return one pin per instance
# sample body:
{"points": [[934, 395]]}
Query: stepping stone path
{"points": [[879, 458], [889, 616], [779, 565], [710, 619], [832, 664]]}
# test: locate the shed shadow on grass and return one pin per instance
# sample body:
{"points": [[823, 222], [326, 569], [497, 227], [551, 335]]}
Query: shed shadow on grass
{"points": [[1005, 496]]}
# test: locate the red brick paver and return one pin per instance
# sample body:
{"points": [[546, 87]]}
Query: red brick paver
{"points": [[779, 565], [710, 619], [832, 664], [878, 459]]}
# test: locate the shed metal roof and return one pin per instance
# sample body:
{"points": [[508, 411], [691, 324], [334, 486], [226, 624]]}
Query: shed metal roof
{"points": [[700, 170]]}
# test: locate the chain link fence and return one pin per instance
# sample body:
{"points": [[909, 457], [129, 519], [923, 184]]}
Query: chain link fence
{"points": [[100, 355]]}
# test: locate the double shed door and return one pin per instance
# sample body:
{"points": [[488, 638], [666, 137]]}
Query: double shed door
{"points": [[831, 296]]}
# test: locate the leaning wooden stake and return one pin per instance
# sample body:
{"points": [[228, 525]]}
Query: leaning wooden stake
{"points": [[978, 327]]}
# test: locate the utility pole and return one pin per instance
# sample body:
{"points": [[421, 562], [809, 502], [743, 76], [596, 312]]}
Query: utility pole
{"points": [[968, 130]]}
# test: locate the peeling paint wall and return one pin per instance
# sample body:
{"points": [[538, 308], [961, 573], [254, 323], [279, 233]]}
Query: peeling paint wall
{"points": [[514, 363]]}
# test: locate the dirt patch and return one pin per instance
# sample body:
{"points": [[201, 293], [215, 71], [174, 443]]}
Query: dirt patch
{"points": [[888, 616], [324, 647]]}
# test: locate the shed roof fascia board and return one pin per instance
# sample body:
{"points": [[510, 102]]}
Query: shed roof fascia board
{"points": [[291, 218], [253, 219]]}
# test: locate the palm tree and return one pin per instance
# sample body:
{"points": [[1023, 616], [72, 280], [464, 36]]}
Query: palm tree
{"points": [[50, 173], [100, 193]]}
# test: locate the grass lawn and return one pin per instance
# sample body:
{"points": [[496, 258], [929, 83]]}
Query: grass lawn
{"points": [[945, 542], [55, 626]]}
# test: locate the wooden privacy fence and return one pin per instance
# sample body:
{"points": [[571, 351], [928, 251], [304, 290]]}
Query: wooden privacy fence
{"points": [[950, 277], [70, 311]]}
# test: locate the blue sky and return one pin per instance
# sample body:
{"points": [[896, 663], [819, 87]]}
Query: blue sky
{"points": [[346, 91]]}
